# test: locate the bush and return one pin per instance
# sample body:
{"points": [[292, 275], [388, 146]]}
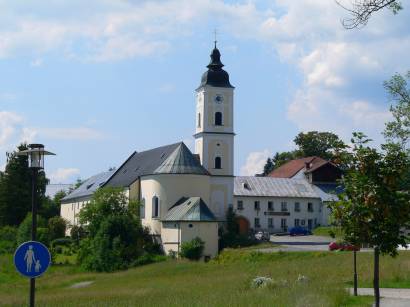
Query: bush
{"points": [[56, 227], [77, 233], [115, 237], [193, 249], [24, 230], [115, 246], [148, 258], [8, 239]]}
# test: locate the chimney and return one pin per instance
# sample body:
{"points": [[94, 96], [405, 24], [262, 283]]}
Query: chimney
{"points": [[308, 165]]}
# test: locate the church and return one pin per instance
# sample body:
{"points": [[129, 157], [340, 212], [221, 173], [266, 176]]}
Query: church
{"points": [[184, 195]]}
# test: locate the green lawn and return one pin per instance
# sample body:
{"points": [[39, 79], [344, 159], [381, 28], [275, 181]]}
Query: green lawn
{"points": [[325, 231], [223, 282]]}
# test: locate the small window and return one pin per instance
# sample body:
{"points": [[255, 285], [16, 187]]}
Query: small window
{"points": [[240, 205], [190, 225], [283, 224], [297, 222], [270, 222], [218, 163], [270, 206], [218, 119], [310, 207], [302, 222], [155, 206], [284, 206], [257, 223], [297, 207], [142, 209], [199, 120], [257, 205]]}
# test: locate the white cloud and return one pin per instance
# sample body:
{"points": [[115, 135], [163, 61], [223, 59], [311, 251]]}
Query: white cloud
{"points": [[9, 125], [64, 175], [80, 133], [167, 88], [36, 63], [255, 162]]}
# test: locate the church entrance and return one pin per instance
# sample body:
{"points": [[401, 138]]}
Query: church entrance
{"points": [[243, 225]]}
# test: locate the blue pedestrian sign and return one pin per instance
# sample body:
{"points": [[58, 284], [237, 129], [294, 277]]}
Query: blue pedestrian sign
{"points": [[32, 259]]}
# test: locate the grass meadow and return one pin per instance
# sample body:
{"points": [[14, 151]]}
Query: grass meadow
{"points": [[225, 281]]}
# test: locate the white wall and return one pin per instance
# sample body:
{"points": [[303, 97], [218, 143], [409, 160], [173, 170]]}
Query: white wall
{"points": [[169, 188], [69, 212], [319, 214]]}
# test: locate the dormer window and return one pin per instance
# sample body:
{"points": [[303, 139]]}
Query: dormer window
{"points": [[218, 118]]}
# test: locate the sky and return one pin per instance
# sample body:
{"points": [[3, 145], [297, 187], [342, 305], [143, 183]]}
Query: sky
{"points": [[96, 80]]}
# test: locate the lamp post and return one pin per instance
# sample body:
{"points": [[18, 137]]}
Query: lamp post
{"points": [[35, 155]]}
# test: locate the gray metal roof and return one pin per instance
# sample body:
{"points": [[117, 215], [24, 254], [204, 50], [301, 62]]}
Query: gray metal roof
{"points": [[139, 164], [53, 188], [181, 161], [88, 187], [190, 209], [328, 192], [273, 187]]}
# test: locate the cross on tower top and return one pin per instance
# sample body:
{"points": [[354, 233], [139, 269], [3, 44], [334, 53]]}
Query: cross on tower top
{"points": [[215, 33]]}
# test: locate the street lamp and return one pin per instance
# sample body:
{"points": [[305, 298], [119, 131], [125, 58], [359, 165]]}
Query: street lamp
{"points": [[35, 155]]}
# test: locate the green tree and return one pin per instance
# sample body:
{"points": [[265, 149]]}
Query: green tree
{"points": [[8, 239], [322, 144], [375, 206], [269, 166], [15, 189], [115, 235], [56, 227], [398, 130], [24, 230], [326, 145], [361, 10]]}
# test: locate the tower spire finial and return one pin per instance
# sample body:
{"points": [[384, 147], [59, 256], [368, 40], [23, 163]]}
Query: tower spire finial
{"points": [[215, 33]]}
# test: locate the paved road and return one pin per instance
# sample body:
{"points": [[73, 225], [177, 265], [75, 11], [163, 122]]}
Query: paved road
{"points": [[389, 297], [299, 243]]}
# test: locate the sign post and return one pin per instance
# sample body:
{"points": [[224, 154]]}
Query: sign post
{"points": [[35, 155], [32, 259]]}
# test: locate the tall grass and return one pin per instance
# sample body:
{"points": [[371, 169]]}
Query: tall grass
{"points": [[225, 281]]}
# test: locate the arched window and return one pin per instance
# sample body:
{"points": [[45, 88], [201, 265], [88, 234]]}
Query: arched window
{"points": [[142, 209], [218, 163], [218, 118], [199, 120], [155, 206]]}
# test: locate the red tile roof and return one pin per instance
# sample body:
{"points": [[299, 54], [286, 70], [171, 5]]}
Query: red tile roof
{"points": [[290, 169]]}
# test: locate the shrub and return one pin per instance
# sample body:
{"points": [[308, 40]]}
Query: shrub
{"points": [[116, 245], [24, 230], [56, 227], [77, 233], [115, 236], [193, 249], [8, 236], [148, 258]]}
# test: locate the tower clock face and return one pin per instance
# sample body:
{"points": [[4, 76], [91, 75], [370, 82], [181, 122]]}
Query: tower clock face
{"points": [[219, 99]]}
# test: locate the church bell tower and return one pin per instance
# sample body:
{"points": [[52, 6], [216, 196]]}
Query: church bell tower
{"points": [[214, 134]]}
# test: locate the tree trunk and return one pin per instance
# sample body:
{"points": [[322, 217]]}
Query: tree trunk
{"points": [[376, 277]]}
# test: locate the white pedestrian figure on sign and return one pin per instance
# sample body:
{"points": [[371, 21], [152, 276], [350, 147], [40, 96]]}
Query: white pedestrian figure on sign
{"points": [[29, 258], [37, 268]]}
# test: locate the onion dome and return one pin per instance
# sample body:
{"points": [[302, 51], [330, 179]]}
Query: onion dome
{"points": [[215, 76]]}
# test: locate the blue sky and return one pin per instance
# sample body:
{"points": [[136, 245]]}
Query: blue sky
{"points": [[96, 80]]}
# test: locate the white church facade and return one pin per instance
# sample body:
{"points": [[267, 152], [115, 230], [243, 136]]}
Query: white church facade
{"points": [[184, 195]]}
